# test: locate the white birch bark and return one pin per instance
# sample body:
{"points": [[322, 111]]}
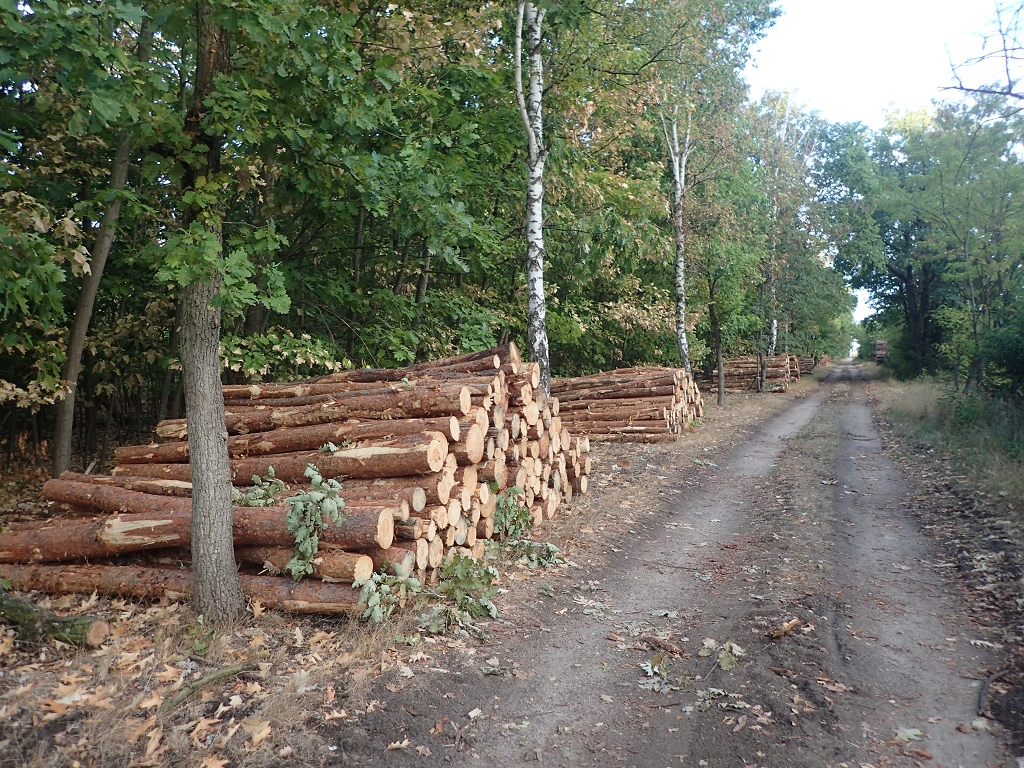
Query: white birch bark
{"points": [[530, 103], [678, 156]]}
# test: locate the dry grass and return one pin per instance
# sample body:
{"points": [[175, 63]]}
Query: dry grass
{"points": [[981, 435]]}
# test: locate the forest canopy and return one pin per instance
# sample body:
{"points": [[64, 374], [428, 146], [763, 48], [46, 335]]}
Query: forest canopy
{"points": [[356, 178]]}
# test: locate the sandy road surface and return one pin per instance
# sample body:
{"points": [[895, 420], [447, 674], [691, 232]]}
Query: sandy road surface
{"points": [[800, 532]]}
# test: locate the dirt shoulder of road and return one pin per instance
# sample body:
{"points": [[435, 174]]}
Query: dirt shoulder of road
{"points": [[982, 539]]}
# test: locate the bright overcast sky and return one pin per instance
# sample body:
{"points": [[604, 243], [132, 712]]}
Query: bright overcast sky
{"points": [[851, 59], [855, 60]]}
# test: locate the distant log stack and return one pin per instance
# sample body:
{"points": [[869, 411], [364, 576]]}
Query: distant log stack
{"points": [[420, 453], [806, 366], [794, 368], [637, 404], [742, 373]]}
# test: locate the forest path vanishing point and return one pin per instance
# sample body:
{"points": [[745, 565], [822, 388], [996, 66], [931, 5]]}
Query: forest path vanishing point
{"points": [[854, 641]]}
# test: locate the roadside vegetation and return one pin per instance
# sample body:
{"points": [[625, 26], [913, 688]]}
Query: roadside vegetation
{"points": [[981, 433]]}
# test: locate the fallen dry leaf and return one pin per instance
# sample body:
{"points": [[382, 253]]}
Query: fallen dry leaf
{"points": [[257, 729], [212, 761], [154, 740], [606, 698], [785, 629], [285, 752], [424, 751], [138, 727], [202, 728], [335, 715], [397, 745], [964, 728], [257, 608], [232, 729], [329, 694], [155, 700], [169, 673]]}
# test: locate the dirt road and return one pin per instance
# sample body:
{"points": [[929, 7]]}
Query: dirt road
{"points": [[788, 608]]}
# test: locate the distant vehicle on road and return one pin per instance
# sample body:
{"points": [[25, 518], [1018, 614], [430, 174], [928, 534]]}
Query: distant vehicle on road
{"points": [[881, 351]]}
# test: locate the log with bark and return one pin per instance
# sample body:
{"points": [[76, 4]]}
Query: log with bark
{"points": [[419, 402], [418, 454], [330, 563], [294, 439], [279, 593], [36, 625], [154, 522]]}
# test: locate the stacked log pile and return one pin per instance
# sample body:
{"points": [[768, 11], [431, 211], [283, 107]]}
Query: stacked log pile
{"points": [[636, 404], [419, 452], [807, 366], [742, 373]]}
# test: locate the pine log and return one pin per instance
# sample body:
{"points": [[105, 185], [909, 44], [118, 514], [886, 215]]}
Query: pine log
{"points": [[530, 412], [36, 625], [419, 454], [436, 488], [414, 496], [435, 552], [158, 521], [420, 549], [493, 470], [173, 584], [140, 484], [293, 439], [419, 402], [410, 530], [467, 476], [394, 560], [485, 528], [487, 507], [470, 447], [330, 564]]}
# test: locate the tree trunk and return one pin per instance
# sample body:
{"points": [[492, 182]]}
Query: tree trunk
{"points": [[63, 429], [678, 156], [531, 113], [716, 335], [218, 593]]}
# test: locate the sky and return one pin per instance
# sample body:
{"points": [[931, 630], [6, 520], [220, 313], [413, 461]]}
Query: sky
{"points": [[856, 60]]}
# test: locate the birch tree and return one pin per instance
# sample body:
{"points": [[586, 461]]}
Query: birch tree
{"points": [[699, 89], [530, 98]]}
